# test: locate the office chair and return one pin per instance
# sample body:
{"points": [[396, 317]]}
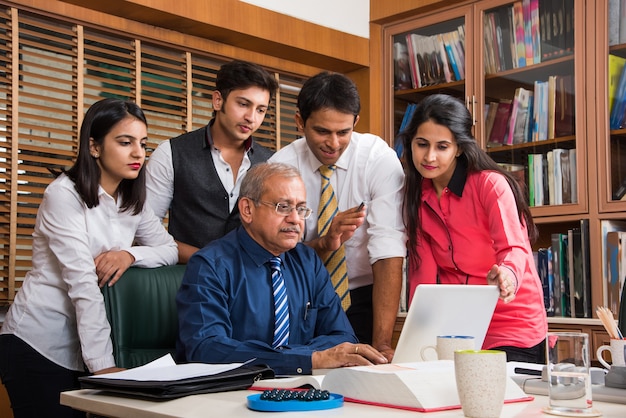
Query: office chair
{"points": [[141, 308]]}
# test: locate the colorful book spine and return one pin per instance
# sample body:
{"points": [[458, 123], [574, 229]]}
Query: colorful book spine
{"points": [[520, 40], [619, 107], [528, 41], [451, 56], [616, 65], [534, 31]]}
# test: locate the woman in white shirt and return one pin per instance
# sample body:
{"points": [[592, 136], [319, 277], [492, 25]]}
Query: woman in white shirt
{"points": [[91, 226]]}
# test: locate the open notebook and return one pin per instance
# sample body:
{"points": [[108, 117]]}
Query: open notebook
{"points": [[439, 309]]}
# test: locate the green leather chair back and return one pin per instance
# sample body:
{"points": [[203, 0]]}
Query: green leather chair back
{"points": [[141, 308]]}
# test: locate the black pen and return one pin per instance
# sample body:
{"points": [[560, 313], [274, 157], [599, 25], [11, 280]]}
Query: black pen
{"points": [[532, 372], [306, 309], [360, 207]]}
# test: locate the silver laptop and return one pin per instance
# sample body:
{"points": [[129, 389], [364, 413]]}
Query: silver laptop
{"points": [[445, 309]]}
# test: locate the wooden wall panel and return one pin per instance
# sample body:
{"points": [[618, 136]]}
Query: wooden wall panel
{"points": [[236, 23]]}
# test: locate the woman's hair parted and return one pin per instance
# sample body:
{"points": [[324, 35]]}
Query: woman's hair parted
{"points": [[450, 112], [101, 117]]}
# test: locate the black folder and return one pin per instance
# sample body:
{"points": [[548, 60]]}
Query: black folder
{"points": [[236, 379]]}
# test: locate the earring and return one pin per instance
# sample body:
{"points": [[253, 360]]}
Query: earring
{"points": [[95, 155]]}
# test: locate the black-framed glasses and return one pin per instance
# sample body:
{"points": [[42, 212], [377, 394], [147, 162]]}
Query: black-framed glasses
{"points": [[285, 209]]}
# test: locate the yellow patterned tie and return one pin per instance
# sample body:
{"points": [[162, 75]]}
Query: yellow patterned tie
{"points": [[336, 261]]}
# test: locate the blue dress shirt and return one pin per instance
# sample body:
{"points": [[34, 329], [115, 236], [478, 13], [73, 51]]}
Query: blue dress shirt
{"points": [[226, 307]]}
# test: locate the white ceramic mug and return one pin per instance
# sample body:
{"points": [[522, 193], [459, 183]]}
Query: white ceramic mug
{"points": [[618, 355], [480, 381], [447, 345]]}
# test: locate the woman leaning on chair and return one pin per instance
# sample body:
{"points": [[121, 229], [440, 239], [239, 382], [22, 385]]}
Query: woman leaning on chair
{"points": [[91, 226]]}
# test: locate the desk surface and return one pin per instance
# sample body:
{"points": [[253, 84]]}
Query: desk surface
{"points": [[233, 404]]}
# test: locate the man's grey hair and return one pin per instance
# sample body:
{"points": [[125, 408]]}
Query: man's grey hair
{"points": [[254, 183]]}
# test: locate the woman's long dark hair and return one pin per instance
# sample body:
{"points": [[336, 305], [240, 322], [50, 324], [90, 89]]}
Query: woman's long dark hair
{"points": [[450, 112], [101, 117]]}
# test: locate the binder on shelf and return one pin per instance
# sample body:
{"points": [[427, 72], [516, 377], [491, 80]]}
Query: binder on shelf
{"points": [[564, 111], [535, 30], [614, 22], [503, 20], [458, 38], [538, 174], [551, 284], [586, 269], [520, 45], [616, 65], [551, 183], [540, 114], [616, 264], [492, 109], [610, 274], [498, 132], [401, 65], [579, 272], [622, 21], [416, 80], [551, 105], [543, 260], [573, 161], [447, 68], [531, 180], [619, 107], [520, 125], [491, 50], [557, 260], [528, 39], [566, 182]]}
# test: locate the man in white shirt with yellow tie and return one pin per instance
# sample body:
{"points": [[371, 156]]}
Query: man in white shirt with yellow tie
{"points": [[361, 168]]}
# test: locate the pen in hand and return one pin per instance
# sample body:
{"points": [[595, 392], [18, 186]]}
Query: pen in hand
{"points": [[360, 207]]}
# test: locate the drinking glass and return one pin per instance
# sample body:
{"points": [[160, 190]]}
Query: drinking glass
{"points": [[568, 374]]}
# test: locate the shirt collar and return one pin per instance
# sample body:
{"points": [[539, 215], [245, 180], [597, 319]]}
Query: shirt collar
{"points": [[459, 177], [209, 138], [256, 252], [341, 164]]}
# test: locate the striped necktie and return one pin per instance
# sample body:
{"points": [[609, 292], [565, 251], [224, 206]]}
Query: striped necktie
{"points": [[281, 305], [335, 262]]}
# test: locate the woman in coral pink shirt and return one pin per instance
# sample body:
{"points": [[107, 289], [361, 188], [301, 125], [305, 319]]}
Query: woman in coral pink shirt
{"points": [[468, 223]]}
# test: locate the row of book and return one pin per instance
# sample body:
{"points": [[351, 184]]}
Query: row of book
{"points": [[546, 112], [429, 59], [564, 270], [552, 178], [527, 32], [617, 22]]}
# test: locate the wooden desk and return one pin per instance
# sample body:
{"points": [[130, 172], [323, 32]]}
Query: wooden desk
{"points": [[233, 404]]}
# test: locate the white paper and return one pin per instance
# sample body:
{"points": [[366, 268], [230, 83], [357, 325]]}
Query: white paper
{"points": [[165, 369]]}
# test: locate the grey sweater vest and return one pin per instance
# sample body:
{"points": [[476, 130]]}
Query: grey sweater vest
{"points": [[199, 210]]}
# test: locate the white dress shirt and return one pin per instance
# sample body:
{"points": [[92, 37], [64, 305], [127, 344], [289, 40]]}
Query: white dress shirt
{"points": [[368, 171], [160, 181], [59, 311]]}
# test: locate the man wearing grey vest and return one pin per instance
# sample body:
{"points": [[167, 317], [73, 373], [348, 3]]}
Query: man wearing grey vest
{"points": [[197, 175]]}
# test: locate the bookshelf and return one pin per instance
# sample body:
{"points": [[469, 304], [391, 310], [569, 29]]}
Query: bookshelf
{"points": [[575, 63], [610, 54]]}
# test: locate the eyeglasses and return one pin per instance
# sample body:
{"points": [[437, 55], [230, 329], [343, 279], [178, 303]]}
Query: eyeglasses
{"points": [[285, 209]]}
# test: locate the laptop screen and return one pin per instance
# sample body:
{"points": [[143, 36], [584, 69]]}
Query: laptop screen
{"points": [[445, 309]]}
